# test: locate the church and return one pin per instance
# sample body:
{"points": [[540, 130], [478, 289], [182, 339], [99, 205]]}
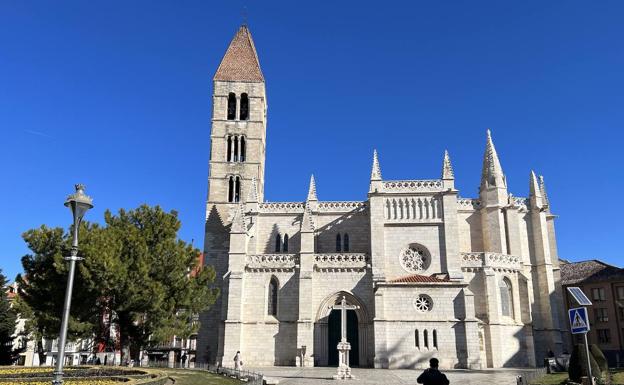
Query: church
{"points": [[474, 282]]}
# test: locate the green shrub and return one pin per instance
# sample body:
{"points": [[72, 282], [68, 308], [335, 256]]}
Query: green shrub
{"points": [[595, 351], [578, 364]]}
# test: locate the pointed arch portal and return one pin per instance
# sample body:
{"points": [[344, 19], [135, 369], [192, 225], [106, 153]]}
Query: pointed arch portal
{"points": [[327, 331]]}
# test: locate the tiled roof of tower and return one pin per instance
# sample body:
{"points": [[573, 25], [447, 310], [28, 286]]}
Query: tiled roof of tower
{"points": [[240, 62], [416, 278], [589, 271]]}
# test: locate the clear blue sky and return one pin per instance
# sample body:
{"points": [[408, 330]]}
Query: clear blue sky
{"points": [[117, 95]]}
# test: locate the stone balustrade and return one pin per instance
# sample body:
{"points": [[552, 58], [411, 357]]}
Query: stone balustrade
{"points": [[281, 207], [341, 261], [479, 260], [272, 262], [468, 204], [403, 186], [341, 206]]}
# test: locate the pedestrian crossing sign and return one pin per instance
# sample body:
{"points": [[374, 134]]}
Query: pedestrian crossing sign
{"points": [[578, 320]]}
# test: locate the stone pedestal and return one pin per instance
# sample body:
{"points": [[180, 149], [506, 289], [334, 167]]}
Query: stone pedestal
{"points": [[344, 370]]}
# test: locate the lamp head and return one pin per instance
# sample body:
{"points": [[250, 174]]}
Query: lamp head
{"points": [[79, 203]]}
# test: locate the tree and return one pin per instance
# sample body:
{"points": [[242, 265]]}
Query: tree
{"points": [[135, 272], [7, 324], [578, 364]]}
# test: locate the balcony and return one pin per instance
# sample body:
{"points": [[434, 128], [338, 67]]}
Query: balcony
{"points": [[341, 262]]}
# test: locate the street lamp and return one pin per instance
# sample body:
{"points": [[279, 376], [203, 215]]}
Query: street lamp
{"points": [[79, 203]]}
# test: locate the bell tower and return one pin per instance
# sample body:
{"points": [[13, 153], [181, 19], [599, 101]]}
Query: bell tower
{"points": [[236, 165]]}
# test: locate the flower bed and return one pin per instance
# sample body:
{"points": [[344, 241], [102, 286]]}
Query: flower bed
{"points": [[27, 373]]}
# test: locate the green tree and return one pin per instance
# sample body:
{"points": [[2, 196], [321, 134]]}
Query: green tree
{"points": [[135, 272], [7, 324]]}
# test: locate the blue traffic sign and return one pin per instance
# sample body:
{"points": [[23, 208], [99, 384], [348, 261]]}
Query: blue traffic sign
{"points": [[579, 323]]}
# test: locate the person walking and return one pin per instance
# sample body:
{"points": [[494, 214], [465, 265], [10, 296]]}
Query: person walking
{"points": [[237, 361], [432, 376]]}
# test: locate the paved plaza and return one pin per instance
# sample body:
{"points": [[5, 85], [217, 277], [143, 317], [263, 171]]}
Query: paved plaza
{"points": [[323, 375]]}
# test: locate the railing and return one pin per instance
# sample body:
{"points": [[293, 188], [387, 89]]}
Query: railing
{"points": [[340, 206], [494, 260], [341, 261], [252, 378], [262, 262], [468, 204], [412, 185], [281, 207], [529, 377]]}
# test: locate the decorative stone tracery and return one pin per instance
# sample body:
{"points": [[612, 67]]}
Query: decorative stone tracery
{"points": [[415, 258]]}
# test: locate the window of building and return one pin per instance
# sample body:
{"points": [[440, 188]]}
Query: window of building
{"points": [[601, 314], [285, 246], [229, 148], [345, 243], [598, 294], [237, 189], [435, 338], [278, 243], [272, 297], [620, 293], [621, 312], [416, 339], [243, 149], [506, 298], [231, 189], [231, 106], [604, 336], [244, 107], [338, 243], [235, 157], [426, 338]]}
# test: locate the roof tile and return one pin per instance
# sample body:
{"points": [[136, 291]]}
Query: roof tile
{"points": [[240, 62]]}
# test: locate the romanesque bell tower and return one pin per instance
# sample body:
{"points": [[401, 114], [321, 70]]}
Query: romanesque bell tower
{"points": [[236, 165]]}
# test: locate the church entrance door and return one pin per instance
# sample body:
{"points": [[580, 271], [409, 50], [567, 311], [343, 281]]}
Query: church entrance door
{"points": [[333, 337]]}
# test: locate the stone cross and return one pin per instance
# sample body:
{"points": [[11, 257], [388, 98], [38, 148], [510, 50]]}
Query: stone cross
{"points": [[344, 371]]}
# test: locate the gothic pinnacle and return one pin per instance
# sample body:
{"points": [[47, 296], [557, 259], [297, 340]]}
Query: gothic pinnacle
{"points": [[307, 225], [376, 171], [312, 190], [447, 167], [534, 188], [543, 190], [253, 191], [492, 173], [238, 221]]}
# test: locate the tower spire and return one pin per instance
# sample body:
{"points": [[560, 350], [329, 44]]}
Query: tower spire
{"points": [[542, 186], [376, 171], [240, 62], [534, 188], [492, 173], [312, 190], [447, 168]]}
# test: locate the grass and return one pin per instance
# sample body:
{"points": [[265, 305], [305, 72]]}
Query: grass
{"points": [[197, 377], [617, 377], [551, 379]]}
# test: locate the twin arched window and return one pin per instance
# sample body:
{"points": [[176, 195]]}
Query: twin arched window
{"points": [[243, 114], [281, 246], [236, 148], [342, 243], [506, 294], [234, 189], [272, 297]]}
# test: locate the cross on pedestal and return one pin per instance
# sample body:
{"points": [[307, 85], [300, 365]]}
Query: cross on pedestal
{"points": [[344, 370]]}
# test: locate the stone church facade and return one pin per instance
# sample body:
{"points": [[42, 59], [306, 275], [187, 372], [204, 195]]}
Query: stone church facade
{"points": [[471, 281]]}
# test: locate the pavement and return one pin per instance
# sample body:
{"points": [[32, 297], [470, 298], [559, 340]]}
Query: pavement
{"points": [[287, 375]]}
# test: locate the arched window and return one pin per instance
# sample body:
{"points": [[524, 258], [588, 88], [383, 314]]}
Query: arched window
{"points": [[231, 107], [229, 148], [278, 243], [237, 189], [416, 339], [285, 248], [338, 243], [345, 243], [231, 189], [506, 298], [244, 107], [272, 297], [243, 149], [426, 338], [235, 149], [435, 339]]}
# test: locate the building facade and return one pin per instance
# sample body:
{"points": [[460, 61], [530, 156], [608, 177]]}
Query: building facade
{"points": [[603, 284], [471, 281]]}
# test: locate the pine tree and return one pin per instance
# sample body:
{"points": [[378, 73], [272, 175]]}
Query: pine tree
{"points": [[7, 324]]}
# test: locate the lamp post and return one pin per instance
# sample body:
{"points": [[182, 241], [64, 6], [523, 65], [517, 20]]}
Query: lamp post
{"points": [[79, 203]]}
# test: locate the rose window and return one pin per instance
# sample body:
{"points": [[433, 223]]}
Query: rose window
{"points": [[414, 259], [423, 303]]}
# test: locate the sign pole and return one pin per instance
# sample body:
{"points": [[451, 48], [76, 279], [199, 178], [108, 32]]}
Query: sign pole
{"points": [[589, 369]]}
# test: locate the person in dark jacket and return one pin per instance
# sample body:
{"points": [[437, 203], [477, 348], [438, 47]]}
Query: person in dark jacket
{"points": [[433, 376]]}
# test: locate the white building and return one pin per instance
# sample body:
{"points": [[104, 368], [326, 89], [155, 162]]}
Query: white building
{"points": [[471, 281]]}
